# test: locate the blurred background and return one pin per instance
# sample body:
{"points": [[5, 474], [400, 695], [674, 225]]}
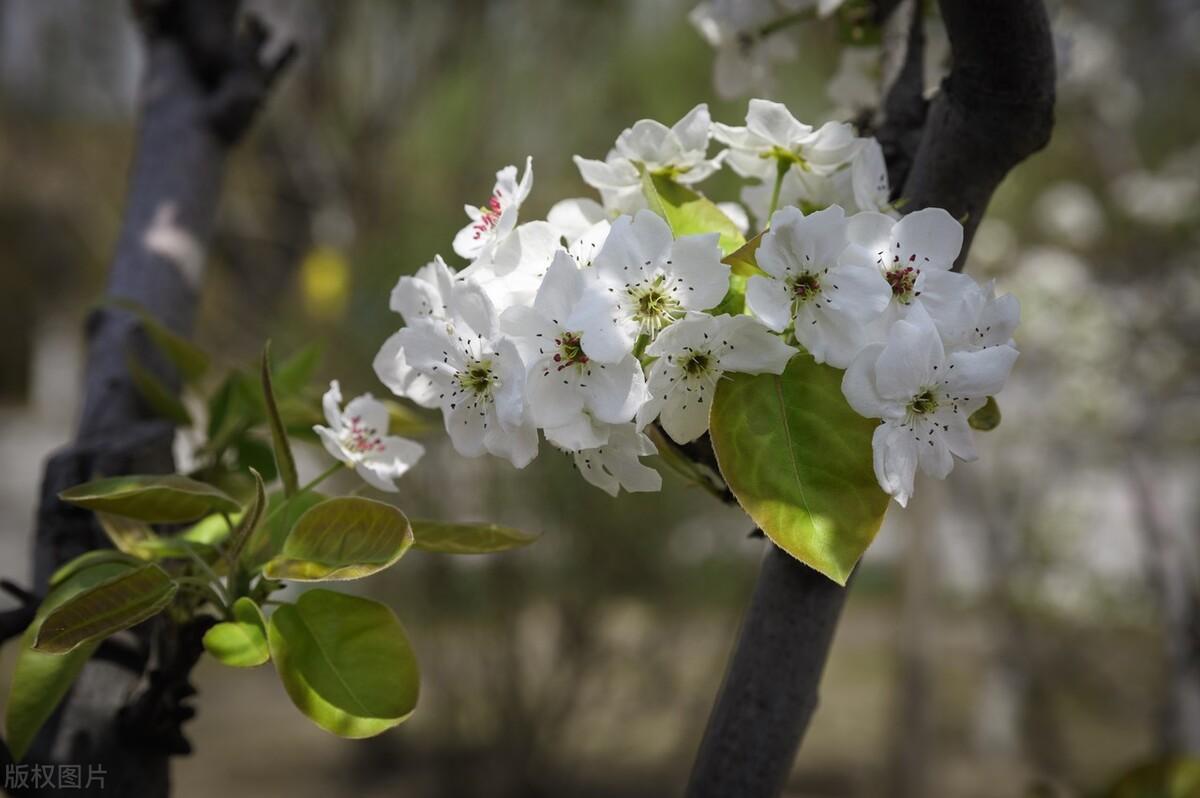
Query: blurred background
{"points": [[1024, 628]]}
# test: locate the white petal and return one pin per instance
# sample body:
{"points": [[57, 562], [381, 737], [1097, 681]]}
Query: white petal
{"points": [[561, 288], [554, 396], [607, 334], [702, 279], [910, 360], [615, 392], [510, 368], [979, 374], [684, 415], [369, 412], [581, 432], [928, 239], [692, 130], [382, 469], [518, 445], [752, 349], [769, 300], [393, 370], [331, 403], [616, 174], [932, 453], [333, 444], [775, 124], [895, 457], [571, 217], [858, 385]]}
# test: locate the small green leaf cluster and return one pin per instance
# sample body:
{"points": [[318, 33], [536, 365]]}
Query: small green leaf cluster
{"points": [[203, 548]]}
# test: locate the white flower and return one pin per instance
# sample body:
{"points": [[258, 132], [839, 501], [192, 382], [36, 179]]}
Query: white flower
{"points": [[563, 383], [358, 437], [615, 465], [915, 255], [985, 320], [692, 355], [583, 225], [773, 135], [424, 294], [679, 151], [494, 220], [470, 371], [868, 178], [857, 82], [924, 397], [809, 283], [642, 281], [745, 57], [511, 271]]}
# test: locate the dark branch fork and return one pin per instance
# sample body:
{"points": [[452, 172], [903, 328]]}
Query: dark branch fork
{"points": [[206, 77], [994, 110]]}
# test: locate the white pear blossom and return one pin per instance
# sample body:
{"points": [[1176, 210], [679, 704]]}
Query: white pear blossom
{"points": [[564, 386], [869, 189], [584, 226], [692, 355], [745, 56], [679, 151], [643, 280], [811, 283], [424, 294], [924, 396], [357, 436], [915, 255], [772, 135], [985, 320], [471, 372], [512, 270], [616, 464], [495, 219]]}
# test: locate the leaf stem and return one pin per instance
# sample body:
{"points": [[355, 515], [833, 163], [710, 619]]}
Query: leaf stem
{"points": [[319, 478], [781, 170]]}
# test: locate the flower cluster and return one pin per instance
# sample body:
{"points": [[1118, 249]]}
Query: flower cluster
{"points": [[585, 328]]}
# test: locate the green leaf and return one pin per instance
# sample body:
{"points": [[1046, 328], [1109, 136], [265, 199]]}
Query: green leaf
{"points": [[138, 540], [294, 372], [90, 559], [284, 460], [118, 603], [257, 454], [41, 680], [127, 534], [161, 399], [242, 642], [688, 213], [799, 461], [155, 498], [1169, 777], [986, 418], [282, 515], [249, 522], [345, 662], [343, 538], [211, 530], [744, 260], [448, 538], [191, 361]]}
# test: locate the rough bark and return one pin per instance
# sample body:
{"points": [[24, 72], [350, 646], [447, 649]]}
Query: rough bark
{"points": [[994, 110], [205, 78]]}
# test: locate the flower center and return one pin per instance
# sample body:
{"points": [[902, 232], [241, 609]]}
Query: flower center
{"points": [[805, 286], [490, 214], [696, 364], [903, 281], [653, 306], [361, 439], [570, 351], [923, 403], [478, 378]]}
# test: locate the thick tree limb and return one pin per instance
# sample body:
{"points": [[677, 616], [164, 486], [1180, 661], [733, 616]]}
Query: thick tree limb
{"points": [[994, 110], [205, 79]]}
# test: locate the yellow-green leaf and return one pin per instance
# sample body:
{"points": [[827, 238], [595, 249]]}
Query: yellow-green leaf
{"points": [[689, 213], [343, 538], [345, 662], [744, 260], [986, 418], [41, 680], [448, 538], [155, 498], [242, 642], [90, 559], [799, 461], [118, 603]]}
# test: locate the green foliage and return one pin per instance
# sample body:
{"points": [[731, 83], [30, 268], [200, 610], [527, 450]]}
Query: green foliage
{"points": [[124, 600], [689, 213], [344, 538], [41, 680], [345, 662], [448, 538], [90, 559], [986, 418], [282, 515], [284, 461], [161, 399], [743, 261], [242, 642], [1174, 777], [249, 521], [193, 362], [156, 498], [798, 459]]}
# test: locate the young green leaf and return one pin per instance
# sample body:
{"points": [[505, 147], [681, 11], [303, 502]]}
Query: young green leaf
{"points": [[90, 559], [688, 213], [127, 534], [41, 680], [161, 399], [284, 460], [744, 260], [191, 361], [281, 516], [154, 498], [343, 538], [448, 538], [138, 540], [118, 603], [799, 461], [249, 522], [345, 662], [242, 642], [986, 418], [294, 372]]}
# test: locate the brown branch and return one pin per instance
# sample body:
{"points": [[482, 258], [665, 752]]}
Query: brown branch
{"points": [[994, 110], [205, 79]]}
